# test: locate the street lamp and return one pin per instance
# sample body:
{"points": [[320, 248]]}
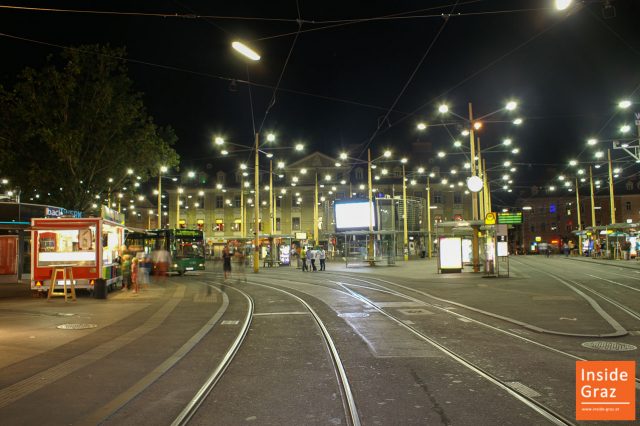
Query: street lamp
{"points": [[163, 169]]}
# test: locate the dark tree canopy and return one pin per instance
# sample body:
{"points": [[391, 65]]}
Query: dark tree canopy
{"points": [[69, 127]]}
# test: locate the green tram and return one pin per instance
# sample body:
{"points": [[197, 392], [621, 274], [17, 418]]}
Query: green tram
{"points": [[186, 246]]}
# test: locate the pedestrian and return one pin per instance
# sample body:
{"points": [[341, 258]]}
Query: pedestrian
{"points": [[163, 263], [311, 257], [134, 274], [226, 262], [565, 248], [145, 268], [303, 256], [323, 256], [126, 271]]}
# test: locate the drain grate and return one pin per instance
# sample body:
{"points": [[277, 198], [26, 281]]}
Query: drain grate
{"points": [[353, 315], [76, 326], [609, 346], [523, 389]]}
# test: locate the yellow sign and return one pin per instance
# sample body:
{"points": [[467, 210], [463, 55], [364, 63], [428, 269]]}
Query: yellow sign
{"points": [[538, 239], [490, 218]]}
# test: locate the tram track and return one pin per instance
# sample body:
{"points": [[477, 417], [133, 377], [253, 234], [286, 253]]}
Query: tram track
{"points": [[543, 410], [348, 400]]}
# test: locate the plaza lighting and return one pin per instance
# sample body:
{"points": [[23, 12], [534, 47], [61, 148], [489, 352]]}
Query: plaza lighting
{"points": [[624, 104], [517, 121], [343, 155], [625, 128], [592, 141], [477, 125], [420, 169], [224, 152], [573, 163], [218, 141], [443, 108], [465, 132], [245, 50], [511, 105], [299, 147], [387, 154], [515, 150], [507, 163], [129, 171], [457, 144], [599, 154], [191, 174], [271, 137], [403, 160], [421, 126], [562, 4], [441, 154], [507, 142], [303, 171]]}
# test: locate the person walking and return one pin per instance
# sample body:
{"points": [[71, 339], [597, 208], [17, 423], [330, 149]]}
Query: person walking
{"points": [[135, 274], [303, 256], [323, 256], [226, 262]]}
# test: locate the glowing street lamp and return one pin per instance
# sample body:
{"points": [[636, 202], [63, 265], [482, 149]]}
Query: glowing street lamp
{"points": [[245, 50], [562, 4]]}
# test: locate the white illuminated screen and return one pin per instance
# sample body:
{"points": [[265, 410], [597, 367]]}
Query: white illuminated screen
{"points": [[450, 253], [353, 215]]}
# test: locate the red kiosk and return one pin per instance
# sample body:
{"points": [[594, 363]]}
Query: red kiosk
{"points": [[86, 247]]}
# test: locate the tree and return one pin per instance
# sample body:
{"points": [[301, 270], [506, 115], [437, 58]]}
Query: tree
{"points": [[69, 127]]}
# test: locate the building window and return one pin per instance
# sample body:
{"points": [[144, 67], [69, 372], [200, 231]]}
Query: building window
{"points": [[219, 202], [219, 226], [220, 177], [236, 226], [542, 227], [236, 201], [417, 194], [629, 185], [437, 197], [278, 202], [277, 224], [359, 173], [627, 206], [295, 223], [457, 198]]}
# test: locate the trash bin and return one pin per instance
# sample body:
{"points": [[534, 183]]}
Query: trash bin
{"points": [[100, 289]]}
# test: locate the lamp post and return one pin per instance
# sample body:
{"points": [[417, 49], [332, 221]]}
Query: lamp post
{"points": [[163, 169], [429, 242], [593, 208], [611, 201], [256, 210], [180, 191], [405, 247], [370, 245]]}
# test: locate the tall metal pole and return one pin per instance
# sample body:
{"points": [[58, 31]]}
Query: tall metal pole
{"points": [[593, 207], [486, 191], [256, 210], [474, 196], [404, 216], [243, 232], [159, 201], [370, 245], [271, 220], [579, 221], [482, 193], [429, 217], [177, 208], [611, 201], [315, 212]]}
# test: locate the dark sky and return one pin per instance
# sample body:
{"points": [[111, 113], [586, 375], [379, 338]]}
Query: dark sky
{"points": [[567, 70]]}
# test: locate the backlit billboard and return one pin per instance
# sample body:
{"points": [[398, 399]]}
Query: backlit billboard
{"points": [[353, 215]]}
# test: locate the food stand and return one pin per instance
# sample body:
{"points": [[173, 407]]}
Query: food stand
{"points": [[90, 246]]}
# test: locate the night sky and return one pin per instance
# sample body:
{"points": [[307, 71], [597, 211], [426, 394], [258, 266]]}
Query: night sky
{"points": [[567, 70]]}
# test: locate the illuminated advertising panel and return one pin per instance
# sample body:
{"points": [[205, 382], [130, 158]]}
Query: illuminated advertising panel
{"points": [[353, 215], [450, 249]]}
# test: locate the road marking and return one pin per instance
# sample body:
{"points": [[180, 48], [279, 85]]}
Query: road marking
{"points": [[264, 314]]}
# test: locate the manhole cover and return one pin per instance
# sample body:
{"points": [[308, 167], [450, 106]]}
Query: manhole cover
{"points": [[76, 326], [354, 315], [609, 346]]}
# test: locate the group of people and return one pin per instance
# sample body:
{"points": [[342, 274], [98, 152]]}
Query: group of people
{"points": [[137, 269], [309, 256], [237, 257]]}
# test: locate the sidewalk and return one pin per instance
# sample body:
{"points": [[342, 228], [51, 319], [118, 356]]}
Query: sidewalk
{"points": [[15, 290], [629, 264]]}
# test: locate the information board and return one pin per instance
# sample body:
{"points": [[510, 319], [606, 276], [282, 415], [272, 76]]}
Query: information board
{"points": [[509, 218]]}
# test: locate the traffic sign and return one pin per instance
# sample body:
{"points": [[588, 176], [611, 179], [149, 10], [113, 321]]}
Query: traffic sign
{"points": [[490, 218]]}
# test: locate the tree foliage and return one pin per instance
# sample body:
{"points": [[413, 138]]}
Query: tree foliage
{"points": [[67, 128]]}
